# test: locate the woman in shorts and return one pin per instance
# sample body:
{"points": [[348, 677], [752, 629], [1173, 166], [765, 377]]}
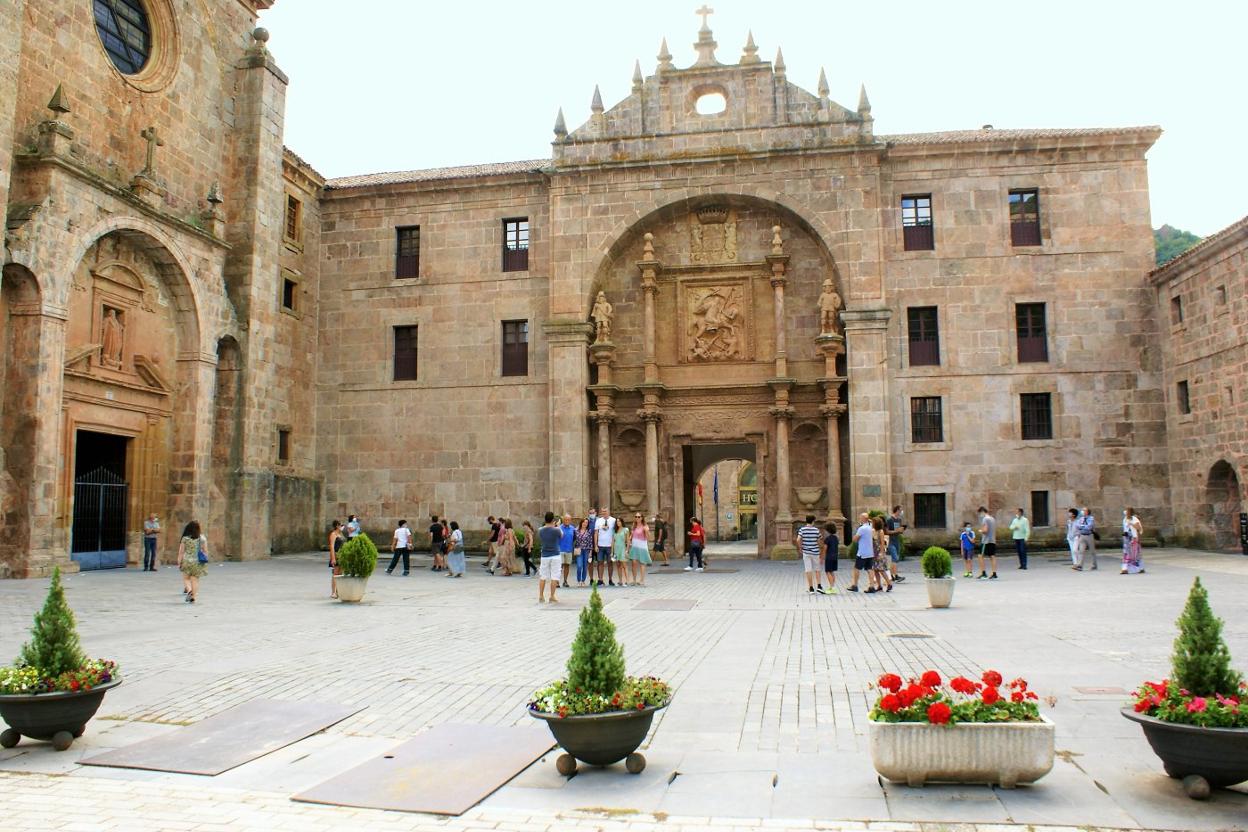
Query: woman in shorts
{"points": [[880, 565]]}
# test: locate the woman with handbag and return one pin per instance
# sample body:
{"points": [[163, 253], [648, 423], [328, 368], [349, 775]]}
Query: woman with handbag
{"points": [[455, 560], [336, 542], [192, 559]]}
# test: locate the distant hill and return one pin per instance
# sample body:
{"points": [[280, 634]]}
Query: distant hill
{"points": [[1170, 242]]}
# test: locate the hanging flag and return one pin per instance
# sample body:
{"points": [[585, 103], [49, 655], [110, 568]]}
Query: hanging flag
{"points": [[715, 486]]}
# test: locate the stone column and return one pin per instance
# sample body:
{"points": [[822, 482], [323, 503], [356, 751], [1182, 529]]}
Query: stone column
{"points": [[781, 411], [832, 345], [48, 517], [651, 417], [866, 345], [649, 268], [652, 388], [677, 525], [779, 262], [604, 418], [602, 354]]}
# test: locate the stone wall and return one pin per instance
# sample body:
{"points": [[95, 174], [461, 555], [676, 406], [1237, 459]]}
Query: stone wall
{"points": [[1206, 346]]}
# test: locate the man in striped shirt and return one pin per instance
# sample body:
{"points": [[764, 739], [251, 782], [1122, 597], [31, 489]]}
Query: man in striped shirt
{"points": [[808, 538]]}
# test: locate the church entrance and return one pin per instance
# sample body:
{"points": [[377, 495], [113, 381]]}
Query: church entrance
{"points": [[721, 489], [101, 498]]}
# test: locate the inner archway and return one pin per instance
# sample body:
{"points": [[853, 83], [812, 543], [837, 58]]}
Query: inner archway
{"points": [[1224, 502], [721, 481]]}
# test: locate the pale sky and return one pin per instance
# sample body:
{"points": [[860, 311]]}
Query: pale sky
{"points": [[381, 85]]}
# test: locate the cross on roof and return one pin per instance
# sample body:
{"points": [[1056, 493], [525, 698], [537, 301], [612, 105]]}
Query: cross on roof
{"points": [[705, 11]]}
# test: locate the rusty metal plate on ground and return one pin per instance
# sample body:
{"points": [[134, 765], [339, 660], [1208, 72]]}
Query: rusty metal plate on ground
{"points": [[1102, 691], [444, 771], [668, 604], [228, 739]]}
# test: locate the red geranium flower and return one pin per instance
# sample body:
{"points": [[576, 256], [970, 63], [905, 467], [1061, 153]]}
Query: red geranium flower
{"points": [[1016, 696], [930, 678], [992, 678], [1197, 705], [962, 685], [938, 713], [890, 681], [1019, 684], [912, 693], [991, 696], [1142, 706], [889, 702], [1158, 687], [1031, 694]]}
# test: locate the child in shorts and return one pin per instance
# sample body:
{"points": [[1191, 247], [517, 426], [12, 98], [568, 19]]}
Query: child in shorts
{"points": [[967, 540]]}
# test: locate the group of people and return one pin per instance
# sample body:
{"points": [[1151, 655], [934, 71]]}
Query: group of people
{"points": [[877, 550], [1081, 536]]}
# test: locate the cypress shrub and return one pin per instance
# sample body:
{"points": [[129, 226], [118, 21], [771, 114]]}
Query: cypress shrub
{"points": [[937, 563], [596, 665], [53, 648], [1201, 661], [358, 557]]}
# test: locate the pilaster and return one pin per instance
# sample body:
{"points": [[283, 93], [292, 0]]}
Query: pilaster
{"points": [[568, 479], [866, 345]]}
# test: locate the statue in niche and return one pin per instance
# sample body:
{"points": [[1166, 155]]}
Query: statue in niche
{"points": [[601, 316], [829, 305], [112, 338], [715, 331]]}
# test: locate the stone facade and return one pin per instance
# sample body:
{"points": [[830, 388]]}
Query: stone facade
{"points": [[141, 291], [722, 266], [1202, 303]]}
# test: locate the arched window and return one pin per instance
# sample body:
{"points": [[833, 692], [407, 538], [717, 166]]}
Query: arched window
{"points": [[126, 33]]}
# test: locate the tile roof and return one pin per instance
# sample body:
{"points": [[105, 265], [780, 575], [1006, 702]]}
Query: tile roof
{"points": [[432, 174], [997, 135], [1202, 246]]}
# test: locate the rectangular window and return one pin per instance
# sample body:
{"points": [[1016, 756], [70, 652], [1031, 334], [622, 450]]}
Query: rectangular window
{"points": [[926, 424], [916, 223], [515, 348], [1176, 310], [929, 511], [1220, 295], [290, 294], [405, 353], [283, 444], [1185, 400], [516, 244], [924, 336], [1037, 415], [1033, 341], [292, 218], [1039, 508], [1025, 217], [407, 251]]}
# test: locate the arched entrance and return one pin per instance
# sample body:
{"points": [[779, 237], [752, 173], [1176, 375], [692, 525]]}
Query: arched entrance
{"points": [[716, 337], [712, 494], [1224, 502]]}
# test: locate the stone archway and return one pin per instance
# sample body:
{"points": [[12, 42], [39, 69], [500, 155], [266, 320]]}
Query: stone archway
{"points": [[1223, 504]]}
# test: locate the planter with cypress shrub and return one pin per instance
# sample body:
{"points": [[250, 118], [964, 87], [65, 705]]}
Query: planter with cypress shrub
{"points": [[1197, 720], [357, 559], [52, 690], [598, 715], [938, 572]]}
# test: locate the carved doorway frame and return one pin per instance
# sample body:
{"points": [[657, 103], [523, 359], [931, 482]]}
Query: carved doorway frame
{"points": [[682, 511]]}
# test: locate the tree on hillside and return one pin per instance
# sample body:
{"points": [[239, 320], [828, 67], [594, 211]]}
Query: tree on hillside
{"points": [[1170, 242]]}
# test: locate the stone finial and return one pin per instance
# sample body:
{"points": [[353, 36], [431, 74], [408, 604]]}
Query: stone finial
{"points": [[214, 194], [779, 64], [60, 102], [260, 35], [864, 104], [706, 44], [596, 104], [561, 127], [823, 85], [637, 78], [777, 244], [647, 249], [749, 55], [664, 57]]}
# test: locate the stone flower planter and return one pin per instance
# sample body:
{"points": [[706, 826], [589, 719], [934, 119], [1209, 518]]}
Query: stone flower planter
{"points": [[351, 590], [993, 753], [600, 739], [60, 717], [940, 592], [1220, 755]]}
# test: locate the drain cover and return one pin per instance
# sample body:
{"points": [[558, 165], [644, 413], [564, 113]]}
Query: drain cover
{"points": [[909, 635]]}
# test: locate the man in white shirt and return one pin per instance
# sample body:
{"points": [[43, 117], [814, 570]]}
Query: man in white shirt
{"points": [[865, 553], [604, 534], [401, 545]]}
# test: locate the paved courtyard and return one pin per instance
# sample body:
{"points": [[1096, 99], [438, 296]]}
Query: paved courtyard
{"points": [[768, 726]]}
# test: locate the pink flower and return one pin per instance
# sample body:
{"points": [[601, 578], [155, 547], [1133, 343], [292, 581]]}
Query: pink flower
{"points": [[1197, 705]]}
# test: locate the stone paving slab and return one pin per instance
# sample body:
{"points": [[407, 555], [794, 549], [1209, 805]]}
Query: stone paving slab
{"points": [[761, 669]]}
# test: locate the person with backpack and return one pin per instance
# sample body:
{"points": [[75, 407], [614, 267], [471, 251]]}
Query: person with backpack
{"points": [[192, 559]]}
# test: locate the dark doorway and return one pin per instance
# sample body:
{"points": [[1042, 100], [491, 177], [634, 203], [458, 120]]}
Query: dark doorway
{"points": [[100, 501], [1223, 505]]}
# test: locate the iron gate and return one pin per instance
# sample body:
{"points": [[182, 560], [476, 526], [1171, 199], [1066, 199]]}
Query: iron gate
{"points": [[99, 531]]}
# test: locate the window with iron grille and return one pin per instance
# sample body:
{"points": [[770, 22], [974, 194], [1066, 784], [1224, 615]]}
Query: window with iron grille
{"points": [[283, 445], [1033, 340], [1037, 411], [292, 218], [405, 343], [1176, 310], [924, 336], [926, 422], [1185, 399], [126, 33], [929, 511], [516, 244], [916, 223], [1025, 217], [515, 348], [407, 251], [1039, 508]]}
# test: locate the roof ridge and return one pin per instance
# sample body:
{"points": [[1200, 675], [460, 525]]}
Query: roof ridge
{"points": [[435, 173], [999, 133], [1204, 244]]}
